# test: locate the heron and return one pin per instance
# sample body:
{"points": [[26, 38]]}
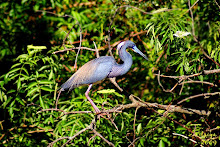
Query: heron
{"points": [[100, 68]]}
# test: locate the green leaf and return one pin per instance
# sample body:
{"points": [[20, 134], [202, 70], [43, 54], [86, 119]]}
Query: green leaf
{"points": [[45, 82], [34, 96], [13, 70], [72, 132], [122, 125], [17, 64], [118, 94], [161, 144], [47, 89], [31, 85], [166, 140], [36, 47], [69, 123], [60, 129], [20, 101], [139, 128], [41, 102], [11, 91], [109, 133], [50, 75], [142, 141], [14, 76], [11, 108], [25, 70], [7, 102], [18, 83], [23, 56], [32, 91]]}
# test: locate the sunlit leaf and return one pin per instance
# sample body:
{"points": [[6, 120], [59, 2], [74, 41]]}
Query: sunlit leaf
{"points": [[32, 84], [18, 83], [139, 128], [161, 144], [104, 91], [45, 82]]}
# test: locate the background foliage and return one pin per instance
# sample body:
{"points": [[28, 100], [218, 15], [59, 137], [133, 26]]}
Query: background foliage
{"points": [[32, 75]]}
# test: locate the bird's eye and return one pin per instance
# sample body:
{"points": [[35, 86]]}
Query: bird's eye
{"points": [[134, 46]]}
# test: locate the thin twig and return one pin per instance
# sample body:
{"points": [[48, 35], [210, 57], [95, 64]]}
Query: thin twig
{"points": [[217, 4], [96, 50], [185, 137], [58, 98], [113, 80], [69, 49], [205, 72], [80, 43], [135, 114], [202, 82], [158, 79], [199, 95]]}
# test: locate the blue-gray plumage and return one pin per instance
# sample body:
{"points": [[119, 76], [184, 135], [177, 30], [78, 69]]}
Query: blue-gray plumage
{"points": [[100, 68]]}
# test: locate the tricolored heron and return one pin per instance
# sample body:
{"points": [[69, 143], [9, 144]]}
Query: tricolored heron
{"points": [[101, 68]]}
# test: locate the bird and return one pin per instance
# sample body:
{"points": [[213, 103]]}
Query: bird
{"points": [[100, 68]]}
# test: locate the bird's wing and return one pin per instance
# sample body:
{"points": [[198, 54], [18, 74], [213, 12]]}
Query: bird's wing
{"points": [[91, 72]]}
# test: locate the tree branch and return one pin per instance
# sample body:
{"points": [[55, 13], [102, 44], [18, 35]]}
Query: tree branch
{"points": [[206, 95]]}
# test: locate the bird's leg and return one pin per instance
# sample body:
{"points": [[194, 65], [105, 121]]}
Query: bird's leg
{"points": [[90, 100]]}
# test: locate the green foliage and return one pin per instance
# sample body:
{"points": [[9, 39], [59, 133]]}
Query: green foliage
{"points": [[33, 74], [27, 83]]}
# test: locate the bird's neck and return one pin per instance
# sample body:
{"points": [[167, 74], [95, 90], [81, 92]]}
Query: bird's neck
{"points": [[126, 58], [121, 69]]}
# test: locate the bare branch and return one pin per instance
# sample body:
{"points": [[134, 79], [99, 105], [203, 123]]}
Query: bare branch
{"points": [[158, 79], [96, 50], [183, 78], [205, 72], [202, 82], [135, 114], [206, 95], [113, 80], [70, 49], [98, 134], [185, 137], [217, 4]]}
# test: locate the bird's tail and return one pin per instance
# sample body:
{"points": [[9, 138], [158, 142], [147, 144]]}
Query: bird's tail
{"points": [[68, 85]]}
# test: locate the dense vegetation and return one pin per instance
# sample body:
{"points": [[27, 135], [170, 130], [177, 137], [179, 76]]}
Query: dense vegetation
{"points": [[173, 99]]}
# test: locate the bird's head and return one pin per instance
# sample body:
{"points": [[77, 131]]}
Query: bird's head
{"points": [[130, 44]]}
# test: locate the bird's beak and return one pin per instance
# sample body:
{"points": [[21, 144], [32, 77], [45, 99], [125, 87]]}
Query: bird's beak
{"points": [[135, 49]]}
